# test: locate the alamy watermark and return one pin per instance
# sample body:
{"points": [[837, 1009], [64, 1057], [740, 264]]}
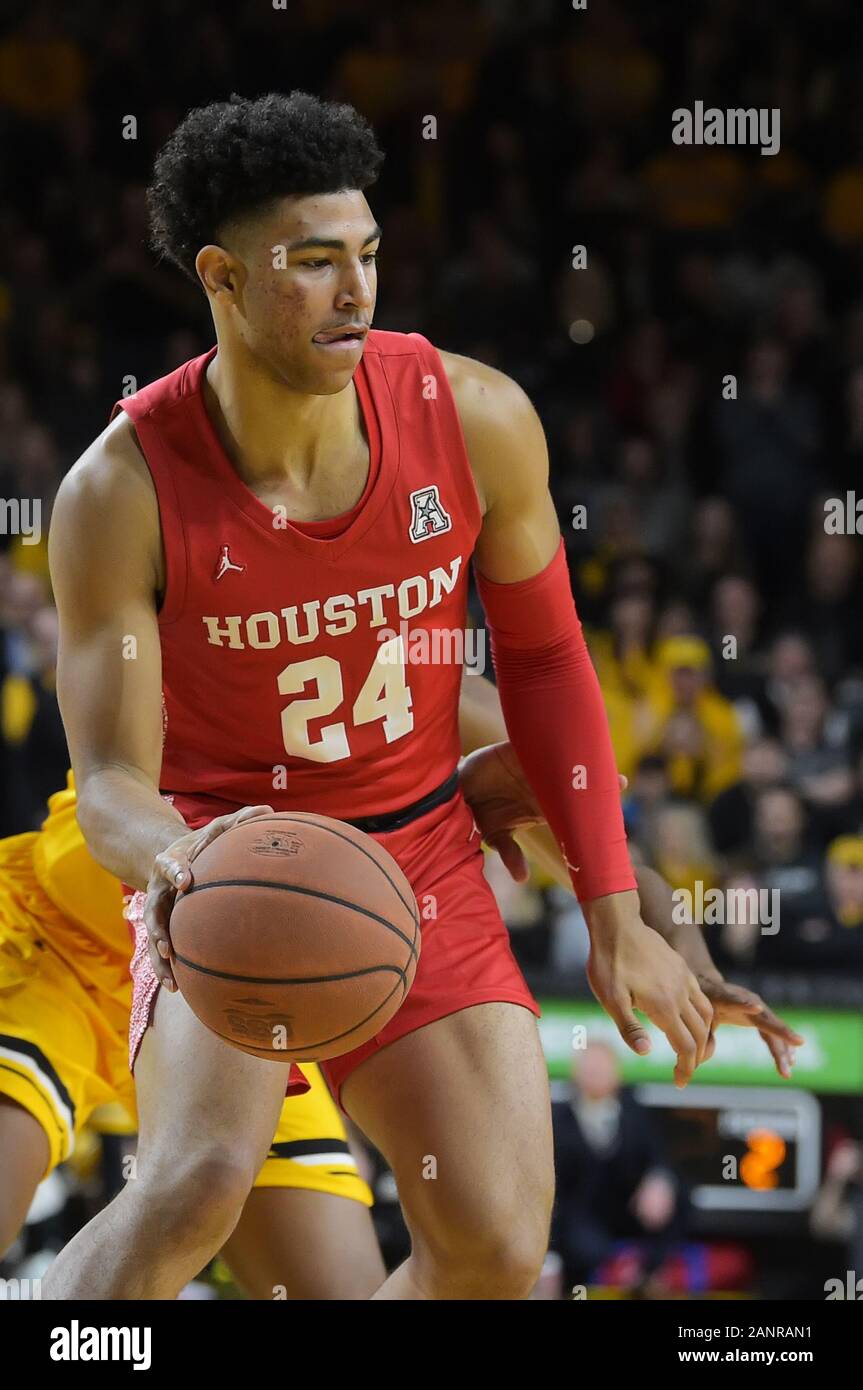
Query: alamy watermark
{"points": [[850, 1288], [21, 516], [20, 1290], [735, 126], [437, 646], [77, 1343], [843, 516], [719, 907]]}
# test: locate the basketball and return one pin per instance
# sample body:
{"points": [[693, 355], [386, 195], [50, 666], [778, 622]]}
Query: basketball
{"points": [[298, 939]]}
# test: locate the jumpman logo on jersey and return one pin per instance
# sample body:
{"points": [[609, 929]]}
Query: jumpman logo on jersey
{"points": [[226, 563]]}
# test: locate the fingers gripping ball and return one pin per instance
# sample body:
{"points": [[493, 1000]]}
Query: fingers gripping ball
{"points": [[298, 939]]}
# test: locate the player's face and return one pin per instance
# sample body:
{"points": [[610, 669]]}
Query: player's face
{"points": [[310, 271]]}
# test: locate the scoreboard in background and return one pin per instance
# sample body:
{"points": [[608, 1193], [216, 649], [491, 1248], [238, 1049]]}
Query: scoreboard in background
{"points": [[747, 1143], [739, 1149]]}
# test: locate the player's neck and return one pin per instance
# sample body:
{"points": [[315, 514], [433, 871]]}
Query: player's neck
{"points": [[269, 431]]}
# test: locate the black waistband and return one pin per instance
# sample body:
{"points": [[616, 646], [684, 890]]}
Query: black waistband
{"points": [[394, 820]]}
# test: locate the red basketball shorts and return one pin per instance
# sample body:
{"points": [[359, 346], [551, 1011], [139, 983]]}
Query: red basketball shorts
{"points": [[465, 956]]}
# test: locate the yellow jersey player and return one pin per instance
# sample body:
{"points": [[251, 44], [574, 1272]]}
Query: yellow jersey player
{"points": [[65, 995]]}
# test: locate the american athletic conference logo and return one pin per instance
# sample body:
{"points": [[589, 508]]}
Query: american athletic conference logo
{"points": [[429, 517]]}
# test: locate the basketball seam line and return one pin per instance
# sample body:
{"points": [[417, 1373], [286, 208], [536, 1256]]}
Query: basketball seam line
{"points": [[307, 892], [323, 1042], [278, 980], [300, 820]]}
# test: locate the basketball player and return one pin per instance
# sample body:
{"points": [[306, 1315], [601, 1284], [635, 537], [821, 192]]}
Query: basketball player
{"points": [[349, 477], [65, 996], [64, 1004]]}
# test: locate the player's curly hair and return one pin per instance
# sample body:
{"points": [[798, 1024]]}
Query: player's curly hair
{"points": [[231, 158]]}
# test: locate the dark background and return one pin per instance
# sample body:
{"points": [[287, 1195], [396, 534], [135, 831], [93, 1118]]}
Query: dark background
{"points": [[704, 515]]}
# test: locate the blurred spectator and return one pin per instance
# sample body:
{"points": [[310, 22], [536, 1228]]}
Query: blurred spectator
{"points": [[800, 321], [767, 439], [644, 799], [731, 813], [643, 366], [42, 70], [843, 207], [680, 848], [783, 854], [486, 301], [659, 501], [714, 548], [815, 737], [627, 672], [705, 516], [735, 609], [614, 77], [20, 597], [830, 605], [613, 1180], [837, 1213], [693, 188], [829, 935], [790, 659], [694, 728], [845, 817], [784, 862], [31, 723], [676, 619]]}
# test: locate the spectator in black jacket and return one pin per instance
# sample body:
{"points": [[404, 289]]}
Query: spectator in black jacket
{"points": [[614, 1183]]}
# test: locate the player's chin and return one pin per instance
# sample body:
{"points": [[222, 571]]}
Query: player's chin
{"points": [[333, 368]]}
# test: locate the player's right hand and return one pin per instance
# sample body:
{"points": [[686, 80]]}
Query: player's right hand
{"points": [[734, 1004], [172, 874]]}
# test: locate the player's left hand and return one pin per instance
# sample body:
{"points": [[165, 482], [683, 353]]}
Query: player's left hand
{"points": [[734, 1004], [630, 967], [502, 801]]}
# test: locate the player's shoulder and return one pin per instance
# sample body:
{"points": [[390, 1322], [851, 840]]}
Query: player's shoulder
{"points": [[105, 517], [475, 385], [502, 432], [490, 403], [110, 471], [503, 435]]}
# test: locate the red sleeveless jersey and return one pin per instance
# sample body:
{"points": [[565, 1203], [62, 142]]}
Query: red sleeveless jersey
{"points": [[304, 672]]}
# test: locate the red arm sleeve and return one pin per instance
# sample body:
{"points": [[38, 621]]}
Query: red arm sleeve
{"points": [[556, 721]]}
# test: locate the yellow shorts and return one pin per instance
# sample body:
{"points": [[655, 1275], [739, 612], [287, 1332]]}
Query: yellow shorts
{"points": [[64, 1012]]}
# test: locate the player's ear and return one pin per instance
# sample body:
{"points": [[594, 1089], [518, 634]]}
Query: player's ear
{"points": [[219, 272]]}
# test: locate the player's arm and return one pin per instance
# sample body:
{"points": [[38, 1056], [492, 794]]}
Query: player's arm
{"points": [[480, 717], [555, 716], [510, 821], [105, 557], [495, 787]]}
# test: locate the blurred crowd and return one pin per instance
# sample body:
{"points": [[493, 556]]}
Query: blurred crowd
{"points": [[699, 374], [689, 323]]}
